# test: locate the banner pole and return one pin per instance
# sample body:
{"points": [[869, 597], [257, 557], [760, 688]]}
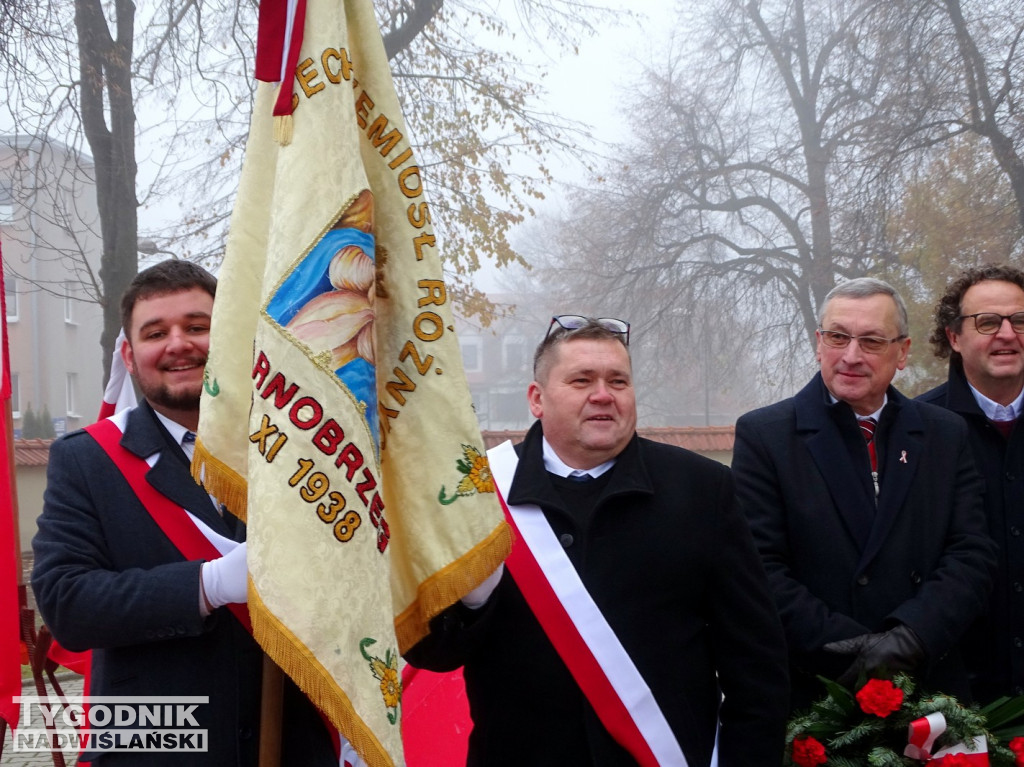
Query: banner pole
{"points": [[16, 539], [271, 706], [9, 419]]}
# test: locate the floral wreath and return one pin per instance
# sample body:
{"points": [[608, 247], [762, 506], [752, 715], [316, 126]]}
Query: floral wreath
{"points": [[889, 724]]}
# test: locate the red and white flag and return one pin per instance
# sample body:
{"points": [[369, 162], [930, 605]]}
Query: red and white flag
{"points": [[10, 654]]}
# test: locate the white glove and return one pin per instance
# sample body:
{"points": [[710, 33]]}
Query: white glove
{"points": [[477, 598], [225, 580]]}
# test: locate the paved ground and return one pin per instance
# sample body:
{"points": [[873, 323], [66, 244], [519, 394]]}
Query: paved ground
{"points": [[71, 684]]}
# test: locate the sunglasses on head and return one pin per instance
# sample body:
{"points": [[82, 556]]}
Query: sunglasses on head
{"points": [[571, 322]]}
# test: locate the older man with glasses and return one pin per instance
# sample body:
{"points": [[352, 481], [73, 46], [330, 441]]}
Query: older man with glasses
{"points": [[866, 508], [979, 327], [633, 619]]}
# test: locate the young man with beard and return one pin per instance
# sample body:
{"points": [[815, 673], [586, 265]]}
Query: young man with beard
{"points": [[979, 327], [134, 561]]}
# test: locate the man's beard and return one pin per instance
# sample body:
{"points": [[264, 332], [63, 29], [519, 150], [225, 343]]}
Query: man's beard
{"points": [[183, 399]]}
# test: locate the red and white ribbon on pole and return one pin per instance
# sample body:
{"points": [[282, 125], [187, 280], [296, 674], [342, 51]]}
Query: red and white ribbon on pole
{"points": [[921, 737], [278, 39]]}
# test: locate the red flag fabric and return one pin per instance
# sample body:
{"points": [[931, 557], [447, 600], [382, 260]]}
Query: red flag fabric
{"points": [[10, 652], [436, 722]]}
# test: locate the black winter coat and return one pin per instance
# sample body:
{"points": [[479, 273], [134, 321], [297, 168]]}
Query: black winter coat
{"points": [[841, 565], [671, 564], [994, 646], [107, 578]]}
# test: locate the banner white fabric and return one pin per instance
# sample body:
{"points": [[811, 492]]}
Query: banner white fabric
{"points": [[336, 418]]}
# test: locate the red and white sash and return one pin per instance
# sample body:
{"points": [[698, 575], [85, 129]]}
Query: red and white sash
{"points": [[579, 631], [192, 538]]}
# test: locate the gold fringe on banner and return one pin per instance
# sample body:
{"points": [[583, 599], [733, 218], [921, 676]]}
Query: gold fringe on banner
{"points": [[295, 659], [449, 584], [220, 480]]}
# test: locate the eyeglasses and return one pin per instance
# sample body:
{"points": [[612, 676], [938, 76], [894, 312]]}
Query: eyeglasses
{"points": [[989, 323], [869, 344], [571, 322]]}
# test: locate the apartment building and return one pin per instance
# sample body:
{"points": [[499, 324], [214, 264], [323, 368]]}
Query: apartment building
{"points": [[49, 232]]}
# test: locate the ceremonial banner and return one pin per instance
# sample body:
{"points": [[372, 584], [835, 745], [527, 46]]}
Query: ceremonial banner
{"points": [[10, 621], [336, 418]]}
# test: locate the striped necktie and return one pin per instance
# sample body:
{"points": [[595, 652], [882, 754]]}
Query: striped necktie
{"points": [[867, 428]]}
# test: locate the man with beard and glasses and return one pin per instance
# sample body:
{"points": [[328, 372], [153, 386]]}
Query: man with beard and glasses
{"points": [[134, 561], [979, 328]]}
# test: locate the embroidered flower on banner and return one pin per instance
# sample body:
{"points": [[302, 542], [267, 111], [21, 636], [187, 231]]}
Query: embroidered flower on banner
{"points": [[808, 752], [879, 697], [341, 319], [390, 687], [386, 672], [477, 475]]}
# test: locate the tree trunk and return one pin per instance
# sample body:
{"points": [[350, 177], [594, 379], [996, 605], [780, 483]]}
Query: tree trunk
{"points": [[105, 65], [422, 13]]}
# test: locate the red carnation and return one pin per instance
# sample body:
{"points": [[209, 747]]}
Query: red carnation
{"points": [[808, 752], [880, 697], [1017, 747]]}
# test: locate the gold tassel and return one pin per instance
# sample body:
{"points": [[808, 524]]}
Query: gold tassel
{"points": [[448, 585], [296, 660], [220, 481], [284, 127]]}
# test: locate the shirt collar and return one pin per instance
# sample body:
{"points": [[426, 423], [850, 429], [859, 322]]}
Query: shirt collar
{"points": [[556, 465], [175, 429], [993, 410], [876, 415]]}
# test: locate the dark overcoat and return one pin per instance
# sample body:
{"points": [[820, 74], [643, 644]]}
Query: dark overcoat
{"points": [[669, 561], [994, 645], [841, 565], [107, 579]]}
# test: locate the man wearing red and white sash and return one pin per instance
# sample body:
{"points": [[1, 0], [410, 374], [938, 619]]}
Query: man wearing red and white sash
{"points": [[134, 561], [649, 547]]}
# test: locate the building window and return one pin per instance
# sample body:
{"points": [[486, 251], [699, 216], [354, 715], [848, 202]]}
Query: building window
{"points": [[69, 301], [515, 354], [472, 357], [15, 396], [509, 408], [11, 297], [6, 202], [72, 394]]}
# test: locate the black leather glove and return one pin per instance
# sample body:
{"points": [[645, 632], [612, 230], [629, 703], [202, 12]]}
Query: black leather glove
{"points": [[898, 649]]}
